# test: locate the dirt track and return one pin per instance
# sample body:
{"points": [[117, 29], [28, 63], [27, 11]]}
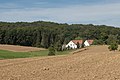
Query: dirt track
{"points": [[19, 48], [96, 63]]}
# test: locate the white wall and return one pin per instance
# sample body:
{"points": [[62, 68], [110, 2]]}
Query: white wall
{"points": [[86, 43], [71, 45]]}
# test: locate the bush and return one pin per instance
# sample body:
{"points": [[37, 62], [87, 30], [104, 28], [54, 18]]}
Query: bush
{"points": [[78, 45], [98, 42], [113, 47], [83, 45], [51, 51]]}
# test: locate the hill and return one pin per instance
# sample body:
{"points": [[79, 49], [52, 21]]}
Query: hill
{"points": [[19, 48], [93, 64], [43, 34]]}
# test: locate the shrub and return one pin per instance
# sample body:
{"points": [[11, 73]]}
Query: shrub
{"points": [[83, 45], [51, 51], [78, 45], [113, 47], [98, 42]]}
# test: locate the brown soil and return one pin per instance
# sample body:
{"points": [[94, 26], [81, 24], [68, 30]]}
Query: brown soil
{"points": [[95, 63], [19, 48]]}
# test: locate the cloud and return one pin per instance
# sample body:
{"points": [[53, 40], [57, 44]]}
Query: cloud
{"points": [[7, 6], [107, 14]]}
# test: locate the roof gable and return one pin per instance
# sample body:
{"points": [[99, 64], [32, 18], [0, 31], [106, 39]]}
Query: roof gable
{"points": [[90, 41], [77, 41]]}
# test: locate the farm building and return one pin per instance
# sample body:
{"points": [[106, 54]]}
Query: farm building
{"points": [[88, 42], [73, 43]]}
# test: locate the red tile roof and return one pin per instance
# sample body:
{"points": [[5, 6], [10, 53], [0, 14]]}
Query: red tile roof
{"points": [[77, 41], [90, 41], [81, 41]]}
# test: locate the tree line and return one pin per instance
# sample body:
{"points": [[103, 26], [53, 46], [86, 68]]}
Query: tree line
{"points": [[44, 34]]}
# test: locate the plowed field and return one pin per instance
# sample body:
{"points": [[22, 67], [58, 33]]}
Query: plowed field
{"points": [[95, 63], [19, 48]]}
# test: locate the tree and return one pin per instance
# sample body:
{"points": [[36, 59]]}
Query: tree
{"points": [[98, 42], [38, 39], [113, 47], [78, 38], [83, 45], [44, 41], [44, 34], [58, 46], [78, 45], [112, 39], [51, 51]]}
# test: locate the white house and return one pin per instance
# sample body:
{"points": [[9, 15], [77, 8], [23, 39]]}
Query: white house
{"points": [[73, 44], [88, 42]]}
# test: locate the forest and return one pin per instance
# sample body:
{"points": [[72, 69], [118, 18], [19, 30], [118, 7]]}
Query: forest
{"points": [[44, 34]]}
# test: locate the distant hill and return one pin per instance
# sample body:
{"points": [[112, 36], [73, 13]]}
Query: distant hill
{"points": [[44, 34]]}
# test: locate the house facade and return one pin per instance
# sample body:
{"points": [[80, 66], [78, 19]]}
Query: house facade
{"points": [[88, 43], [73, 44]]}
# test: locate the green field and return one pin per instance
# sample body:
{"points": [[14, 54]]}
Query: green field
{"points": [[10, 55]]}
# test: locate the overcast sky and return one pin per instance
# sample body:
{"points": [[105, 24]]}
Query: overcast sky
{"points": [[104, 12]]}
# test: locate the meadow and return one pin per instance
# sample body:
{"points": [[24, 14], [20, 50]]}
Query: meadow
{"points": [[4, 54]]}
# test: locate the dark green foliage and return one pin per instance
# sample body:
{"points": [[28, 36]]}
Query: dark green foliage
{"points": [[38, 39], [68, 48], [113, 47], [78, 38], [58, 46], [43, 34], [78, 45], [100, 42], [51, 51], [112, 39], [83, 45]]}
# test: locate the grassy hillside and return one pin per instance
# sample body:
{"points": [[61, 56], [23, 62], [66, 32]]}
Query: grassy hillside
{"points": [[10, 55]]}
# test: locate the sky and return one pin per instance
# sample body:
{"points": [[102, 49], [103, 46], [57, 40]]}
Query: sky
{"points": [[100, 12]]}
